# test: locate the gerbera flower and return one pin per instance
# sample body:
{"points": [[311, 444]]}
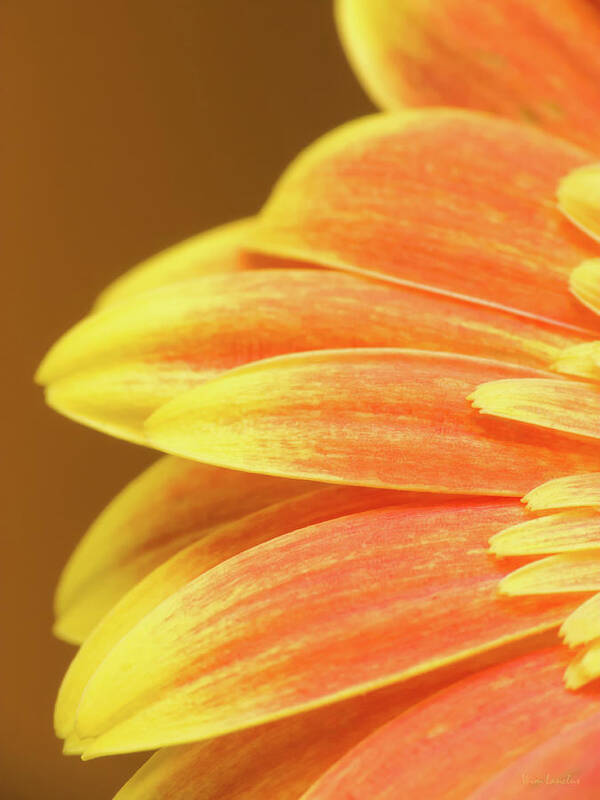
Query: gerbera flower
{"points": [[269, 602]]}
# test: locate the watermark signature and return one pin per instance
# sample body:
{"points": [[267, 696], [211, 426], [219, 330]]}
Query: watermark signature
{"points": [[568, 779]]}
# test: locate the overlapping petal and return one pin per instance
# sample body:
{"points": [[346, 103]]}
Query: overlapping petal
{"points": [[453, 745], [170, 505], [114, 368], [216, 251], [387, 418], [579, 198], [386, 594], [283, 759], [211, 546], [461, 201], [528, 59]]}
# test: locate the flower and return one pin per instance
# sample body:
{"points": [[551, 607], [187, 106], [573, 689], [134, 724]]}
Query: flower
{"points": [[269, 602]]}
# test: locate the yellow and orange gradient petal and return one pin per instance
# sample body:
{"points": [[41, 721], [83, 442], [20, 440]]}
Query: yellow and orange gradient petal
{"points": [[532, 60], [403, 264]]}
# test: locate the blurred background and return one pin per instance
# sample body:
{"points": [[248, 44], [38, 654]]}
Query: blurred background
{"points": [[128, 125]]}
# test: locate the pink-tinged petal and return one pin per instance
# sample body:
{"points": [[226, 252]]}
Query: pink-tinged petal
{"points": [[459, 201], [171, 504], [307, 619], [387, 418], [284, 758], [213, 324], [449, 745], [558, 405], [212, 545], [568, 763], [525, 59], [115, 368], [579, 198]]}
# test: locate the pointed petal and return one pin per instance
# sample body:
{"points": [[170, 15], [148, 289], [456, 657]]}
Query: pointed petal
{"points": [[583, 624], [214, 545], [168, 506], [387, 418], [536, 66], [213, 324], [565, 532], [451, 743], [115, 368], [558, 405], [585, 283], [585, 667], [459, 201], [386, 595], [213, 251], [568, 492], [283, 758], [568, 572], [568, 762], [580, 360], [579, 198]]}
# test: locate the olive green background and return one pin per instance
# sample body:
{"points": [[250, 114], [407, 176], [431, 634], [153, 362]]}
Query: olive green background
{"points": [[126, 126]]}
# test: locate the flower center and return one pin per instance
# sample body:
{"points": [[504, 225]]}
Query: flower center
{"points": [[565, 531]]}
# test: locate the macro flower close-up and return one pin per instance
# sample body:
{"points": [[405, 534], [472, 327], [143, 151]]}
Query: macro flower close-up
{"points": [[366, 562]]}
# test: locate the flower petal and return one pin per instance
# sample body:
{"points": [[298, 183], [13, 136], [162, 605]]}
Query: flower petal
{"points": [[217, 250], [558, 405], [171, 504], [469, 731], [283, 758], [213, 545], [513, 57], [585, 283], [583, 624], [585, 667], [568, 492], [114, 368], [567, 572], [579, 198], [387, 418], [459, 201], [386, 595], [567, 761], [564, 532]]}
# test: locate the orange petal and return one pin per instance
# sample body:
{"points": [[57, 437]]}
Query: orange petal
{"points": [[386, 595], [387, 418], [210, 325], [282, 759], [459, 201], [449, 745], [520, 58], [170, 505], [213, 545], [566, 763], [114, 368]]}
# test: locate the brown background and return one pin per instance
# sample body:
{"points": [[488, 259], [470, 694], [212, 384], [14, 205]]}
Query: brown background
{"points": [[127, 125]]}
